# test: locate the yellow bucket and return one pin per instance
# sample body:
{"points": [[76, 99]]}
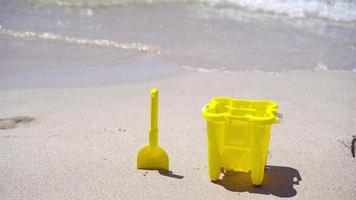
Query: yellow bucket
{"points": [[238, 135]]}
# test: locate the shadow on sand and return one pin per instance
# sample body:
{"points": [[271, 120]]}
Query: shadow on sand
{"points": [[278, 181], [170, 174]]}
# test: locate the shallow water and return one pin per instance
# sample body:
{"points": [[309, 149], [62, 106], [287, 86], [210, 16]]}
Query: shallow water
{"points": [[79, 43]]}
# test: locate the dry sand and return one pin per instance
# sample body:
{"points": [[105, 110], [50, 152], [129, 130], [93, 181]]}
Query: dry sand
{"points": [[83, 141]]}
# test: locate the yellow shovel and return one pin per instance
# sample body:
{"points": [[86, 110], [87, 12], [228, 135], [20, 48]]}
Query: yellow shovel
{"points": [[153, 156]]}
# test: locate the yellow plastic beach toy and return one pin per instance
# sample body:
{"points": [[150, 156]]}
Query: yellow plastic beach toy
{"points": [[152, 156], [238, 135]]}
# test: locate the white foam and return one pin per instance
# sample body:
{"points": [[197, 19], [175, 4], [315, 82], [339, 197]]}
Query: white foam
{"points": [[338, 10], [135, 46], [87, 12], [187, 67], [205, 70], [321, 67]]}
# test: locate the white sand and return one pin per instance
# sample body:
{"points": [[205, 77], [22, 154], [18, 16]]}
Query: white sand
{"points": [[83, 142]]}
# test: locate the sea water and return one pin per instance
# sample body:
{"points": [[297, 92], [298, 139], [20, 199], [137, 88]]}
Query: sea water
{"points": [[64, 43]]}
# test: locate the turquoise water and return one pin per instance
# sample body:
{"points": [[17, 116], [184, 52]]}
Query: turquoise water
{"points": [[78, 43]]}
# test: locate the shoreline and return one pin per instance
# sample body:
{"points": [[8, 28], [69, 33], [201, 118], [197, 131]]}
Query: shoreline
{"points": [[151, 70]]}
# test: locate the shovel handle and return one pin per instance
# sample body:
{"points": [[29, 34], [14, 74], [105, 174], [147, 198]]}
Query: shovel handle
{"points": [[154, 117]]}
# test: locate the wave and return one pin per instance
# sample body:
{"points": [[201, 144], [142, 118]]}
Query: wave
{"points": [[321, 67], [28, 35], [335, 10]]}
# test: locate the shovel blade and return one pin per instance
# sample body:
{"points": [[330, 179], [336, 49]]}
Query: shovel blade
{"points": [[152, 157]]}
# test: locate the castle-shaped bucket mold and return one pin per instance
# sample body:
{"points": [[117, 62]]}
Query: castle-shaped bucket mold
{"points": [[238, 133]]}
